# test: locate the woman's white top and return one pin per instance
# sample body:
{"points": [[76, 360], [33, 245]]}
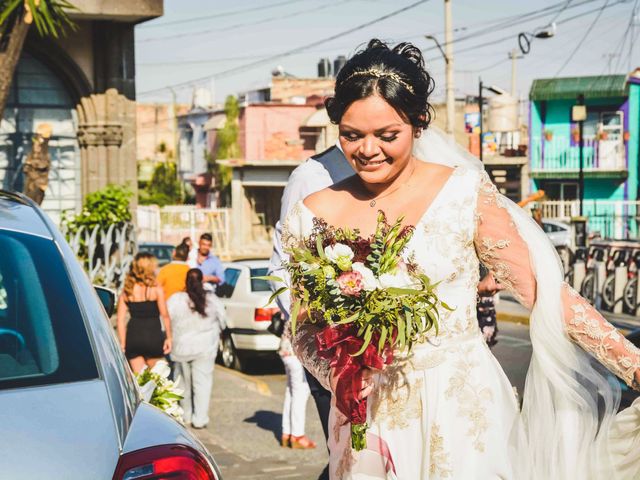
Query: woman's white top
{"points": [[195, 335]]}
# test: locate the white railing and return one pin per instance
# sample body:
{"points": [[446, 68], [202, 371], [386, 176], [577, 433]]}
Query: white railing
{"points": [[172, 223], [562, 154], [611, 218]]}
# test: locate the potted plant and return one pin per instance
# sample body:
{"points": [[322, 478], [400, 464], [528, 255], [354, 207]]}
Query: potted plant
{"points": [[548, 135]]}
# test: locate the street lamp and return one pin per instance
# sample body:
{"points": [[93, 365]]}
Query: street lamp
{"points": [[525, 38], [448, 60], [481, 88]]}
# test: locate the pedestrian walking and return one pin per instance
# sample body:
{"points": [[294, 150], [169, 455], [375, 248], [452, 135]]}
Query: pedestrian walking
{"points": [[143, 340], [296, 395], [210, 265], [172, 277], [198, 318]]}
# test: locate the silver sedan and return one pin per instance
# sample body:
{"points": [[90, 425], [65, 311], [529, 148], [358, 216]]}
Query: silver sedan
{"points": [[69, 405]]}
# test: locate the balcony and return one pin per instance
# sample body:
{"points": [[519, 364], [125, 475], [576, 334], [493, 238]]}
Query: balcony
{"points": [[560, 158]]}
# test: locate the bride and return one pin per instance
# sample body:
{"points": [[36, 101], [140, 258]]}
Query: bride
{"points": [[447, 410]]}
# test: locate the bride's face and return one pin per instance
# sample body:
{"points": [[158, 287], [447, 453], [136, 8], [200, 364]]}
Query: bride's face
{"points": [[376, 140]]}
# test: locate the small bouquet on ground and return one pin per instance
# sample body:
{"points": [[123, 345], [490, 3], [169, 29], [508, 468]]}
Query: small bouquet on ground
{"points": [[159, 391], [371, 300]]}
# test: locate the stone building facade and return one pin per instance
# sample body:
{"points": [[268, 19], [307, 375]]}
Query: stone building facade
{"points": [[83, 86]]}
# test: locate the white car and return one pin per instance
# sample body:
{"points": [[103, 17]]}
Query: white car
{"points": [[248, 315], [558, 232]]}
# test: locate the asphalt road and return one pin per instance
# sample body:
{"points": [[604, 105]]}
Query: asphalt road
{"points": [[246, 415]]}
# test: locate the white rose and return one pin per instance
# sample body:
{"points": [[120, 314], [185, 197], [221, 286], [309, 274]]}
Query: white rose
{"points": [[399, 279], [161, 368], [368, 278], [340, 254]]}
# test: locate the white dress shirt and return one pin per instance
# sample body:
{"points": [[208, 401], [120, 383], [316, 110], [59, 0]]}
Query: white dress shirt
{"points": [[318, 172]]}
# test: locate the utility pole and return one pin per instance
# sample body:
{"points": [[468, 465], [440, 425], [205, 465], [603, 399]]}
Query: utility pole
{"points": [[448, 45], [513, 55]]}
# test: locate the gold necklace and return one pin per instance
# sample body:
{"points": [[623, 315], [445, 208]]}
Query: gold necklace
{"points": [[374, 200]]}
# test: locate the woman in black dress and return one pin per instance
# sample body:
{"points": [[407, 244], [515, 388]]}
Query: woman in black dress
{"points": [[144, 342]]}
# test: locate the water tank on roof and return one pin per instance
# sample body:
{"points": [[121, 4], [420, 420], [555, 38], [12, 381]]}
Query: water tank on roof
{"points": [[503, 113], [338, 63], [324, 68]]}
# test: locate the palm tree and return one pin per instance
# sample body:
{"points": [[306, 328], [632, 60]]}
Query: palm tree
{"points": [[16, 16]]}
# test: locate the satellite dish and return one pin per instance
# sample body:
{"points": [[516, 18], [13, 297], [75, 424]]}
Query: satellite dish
{"points": [[278, 71]]}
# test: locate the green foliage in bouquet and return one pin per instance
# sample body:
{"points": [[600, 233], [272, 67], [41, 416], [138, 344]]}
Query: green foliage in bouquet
{"points": [[340, 278]]}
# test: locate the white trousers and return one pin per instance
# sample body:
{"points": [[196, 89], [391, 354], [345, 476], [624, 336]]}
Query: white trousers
{"points": [[197, 382], [294, 409]]}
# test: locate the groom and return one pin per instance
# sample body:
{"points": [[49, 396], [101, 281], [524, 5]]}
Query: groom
{"points": [[318, 172]]}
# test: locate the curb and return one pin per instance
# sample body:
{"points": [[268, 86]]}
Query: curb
{"points": [[260, 386], [512, 318]]}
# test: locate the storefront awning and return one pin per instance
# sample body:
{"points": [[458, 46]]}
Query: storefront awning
{"points": [[603, 86]]}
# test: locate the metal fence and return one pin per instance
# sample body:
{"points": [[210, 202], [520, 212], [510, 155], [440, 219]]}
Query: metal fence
{"points": [[171, 224], [610, 218]]}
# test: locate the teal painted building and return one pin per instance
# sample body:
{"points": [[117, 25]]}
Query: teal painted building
{"points": [[610, 154]]}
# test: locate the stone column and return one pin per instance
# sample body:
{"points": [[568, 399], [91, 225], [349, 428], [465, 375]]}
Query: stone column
{"points": [[107, 139]]}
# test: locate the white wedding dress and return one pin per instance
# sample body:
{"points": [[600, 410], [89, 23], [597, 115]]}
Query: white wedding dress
{"points": [[447, 409]]}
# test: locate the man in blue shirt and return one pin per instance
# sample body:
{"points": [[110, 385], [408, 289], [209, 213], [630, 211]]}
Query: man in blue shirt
{"points": [[207, 262]]}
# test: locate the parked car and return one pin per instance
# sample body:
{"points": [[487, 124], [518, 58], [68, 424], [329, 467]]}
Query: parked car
{"points": [[558, 232], [69, 404], [248, 313], [162, 251]]}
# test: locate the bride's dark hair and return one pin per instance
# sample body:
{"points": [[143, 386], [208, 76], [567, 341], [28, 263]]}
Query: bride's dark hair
{"points": [[396, 74]]}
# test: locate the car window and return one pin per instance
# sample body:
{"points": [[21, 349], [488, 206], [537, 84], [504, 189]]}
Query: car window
{"points": [[231, 276], [43, 339], [550, 228], [161, 252], [259, 285]]}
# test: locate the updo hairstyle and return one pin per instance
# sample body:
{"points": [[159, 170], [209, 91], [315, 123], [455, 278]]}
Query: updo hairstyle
{"points": [[396, 74]]}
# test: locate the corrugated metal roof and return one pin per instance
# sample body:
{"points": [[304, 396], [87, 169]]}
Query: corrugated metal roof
{"points": [[603, 86]]}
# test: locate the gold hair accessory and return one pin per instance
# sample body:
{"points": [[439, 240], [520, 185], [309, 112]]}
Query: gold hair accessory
{"points": [[374, 72]]}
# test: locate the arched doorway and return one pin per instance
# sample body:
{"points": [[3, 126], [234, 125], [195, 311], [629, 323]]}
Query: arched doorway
{"points": [[38, 95]]}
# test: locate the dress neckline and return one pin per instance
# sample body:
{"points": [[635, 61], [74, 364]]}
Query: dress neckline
{"points": [[427, 210]]}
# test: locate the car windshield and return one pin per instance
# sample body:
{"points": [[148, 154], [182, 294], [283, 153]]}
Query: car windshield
{"points": [[258, 285], [43, 339]]}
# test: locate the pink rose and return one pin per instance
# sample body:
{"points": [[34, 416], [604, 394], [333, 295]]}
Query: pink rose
{"points": [[351, 283]]}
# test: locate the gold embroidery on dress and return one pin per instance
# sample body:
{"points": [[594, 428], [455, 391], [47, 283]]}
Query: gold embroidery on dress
{"points": [[439, 459], [471, 398], [397, 400], [602, 340]]}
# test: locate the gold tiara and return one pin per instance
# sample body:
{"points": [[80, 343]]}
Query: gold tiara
{"points": [[374, 72]]}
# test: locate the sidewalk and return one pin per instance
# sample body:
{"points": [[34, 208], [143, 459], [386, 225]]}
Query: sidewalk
{"points": [[509, 310]]}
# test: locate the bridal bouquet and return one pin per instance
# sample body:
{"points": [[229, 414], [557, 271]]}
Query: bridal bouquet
{"points": [[159, 391], [371, 300]]}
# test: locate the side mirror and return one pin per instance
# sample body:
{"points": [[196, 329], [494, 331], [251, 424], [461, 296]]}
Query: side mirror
{"points": [[108, 299]]}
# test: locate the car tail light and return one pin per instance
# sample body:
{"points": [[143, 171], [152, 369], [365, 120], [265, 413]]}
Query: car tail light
{"points": [[264, 314], [164, 462]]}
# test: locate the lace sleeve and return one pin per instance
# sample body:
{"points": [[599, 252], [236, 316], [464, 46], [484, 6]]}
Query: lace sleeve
{"points": [[294, 228], [500, 247], [304, 345]]}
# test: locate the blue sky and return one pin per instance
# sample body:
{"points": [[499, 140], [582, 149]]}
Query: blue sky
{"points": [[203, 38]]}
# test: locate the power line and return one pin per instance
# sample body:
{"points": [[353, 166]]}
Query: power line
{"points": [[219, 15], [241, 25], [295, 50], [584, 37], [502, 23]]}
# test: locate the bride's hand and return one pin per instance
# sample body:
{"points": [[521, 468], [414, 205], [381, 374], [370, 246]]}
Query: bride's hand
{"points": [[366, 387]]}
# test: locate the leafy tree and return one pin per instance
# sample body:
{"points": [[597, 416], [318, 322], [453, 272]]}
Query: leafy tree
{"points": [[164, 187], [228, 146], [16, 16]]}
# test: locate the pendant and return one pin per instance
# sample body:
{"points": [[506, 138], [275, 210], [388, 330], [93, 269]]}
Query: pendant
{"points": [[372, 203]]}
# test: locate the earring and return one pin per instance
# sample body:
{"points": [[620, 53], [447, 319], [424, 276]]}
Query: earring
{"points": [[417, 133]]}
